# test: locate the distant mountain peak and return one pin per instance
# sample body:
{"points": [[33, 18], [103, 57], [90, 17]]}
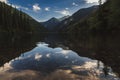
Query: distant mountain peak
{"points": [[51, 23], [63, 18], [53, 19]]}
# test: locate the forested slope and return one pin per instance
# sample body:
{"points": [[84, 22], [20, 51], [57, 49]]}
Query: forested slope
{"points": [[105, 20], [16, 21]]}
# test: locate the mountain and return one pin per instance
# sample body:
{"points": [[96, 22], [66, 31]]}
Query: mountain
{"points": [[63, 18], [78, 16], [37, 27], [105, 19], [52, 23], [16, 21]]}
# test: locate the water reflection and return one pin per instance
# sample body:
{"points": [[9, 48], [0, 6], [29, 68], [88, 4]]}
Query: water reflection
{"points": [[12, 46], [105, 48], [44, 62], [44, 58]]}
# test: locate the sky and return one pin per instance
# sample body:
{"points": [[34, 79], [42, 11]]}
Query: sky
{"points": [[42, 10]]}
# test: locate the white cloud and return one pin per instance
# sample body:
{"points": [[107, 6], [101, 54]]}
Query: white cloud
{"points": [[66, 8], [36, 7], [47, 55], [20, 7], [74, 4], [91, 1], [47, 9], [94, 1], [38, 56], [64, 52], [4, 1], [14, 5], [63, 12]]}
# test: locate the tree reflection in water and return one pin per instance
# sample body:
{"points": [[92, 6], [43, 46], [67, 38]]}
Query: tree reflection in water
{"points": [[36, 64], [101, 48]]}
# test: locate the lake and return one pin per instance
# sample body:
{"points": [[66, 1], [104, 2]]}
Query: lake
{"points": [[59, 57]]}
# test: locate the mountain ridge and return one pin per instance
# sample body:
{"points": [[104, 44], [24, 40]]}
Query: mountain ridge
{"points": [[53, 22], [17, 21], [77, 16], [105, 20]]}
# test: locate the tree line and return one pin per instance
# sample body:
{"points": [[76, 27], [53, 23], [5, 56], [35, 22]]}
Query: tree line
{"points": [[105, 20], [13, 20]]}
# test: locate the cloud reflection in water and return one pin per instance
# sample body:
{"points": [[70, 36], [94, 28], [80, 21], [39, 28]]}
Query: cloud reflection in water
{"points": [[55, 62]]}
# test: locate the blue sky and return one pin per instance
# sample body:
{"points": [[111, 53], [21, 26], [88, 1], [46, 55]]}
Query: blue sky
{"points": [[42, 10]]}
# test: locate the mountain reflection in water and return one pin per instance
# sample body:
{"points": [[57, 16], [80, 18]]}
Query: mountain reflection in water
{"points": [[46, 63]]}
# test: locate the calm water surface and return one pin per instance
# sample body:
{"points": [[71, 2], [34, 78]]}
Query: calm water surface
{"points": [[58, 57]]}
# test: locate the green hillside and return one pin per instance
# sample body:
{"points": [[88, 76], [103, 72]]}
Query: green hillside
{"points": [[105, 20], [16, 21]]}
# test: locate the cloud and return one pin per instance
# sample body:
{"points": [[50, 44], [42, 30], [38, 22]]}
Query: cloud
{"points": [[4, 1], [48, 55], [28, 66], [91, 1], [94, 1], [47, 9], [20, 7], [74, 4], [36, 7], [63, 12], [64, 52], [38, 56], [14, 5], [66, 8]]}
